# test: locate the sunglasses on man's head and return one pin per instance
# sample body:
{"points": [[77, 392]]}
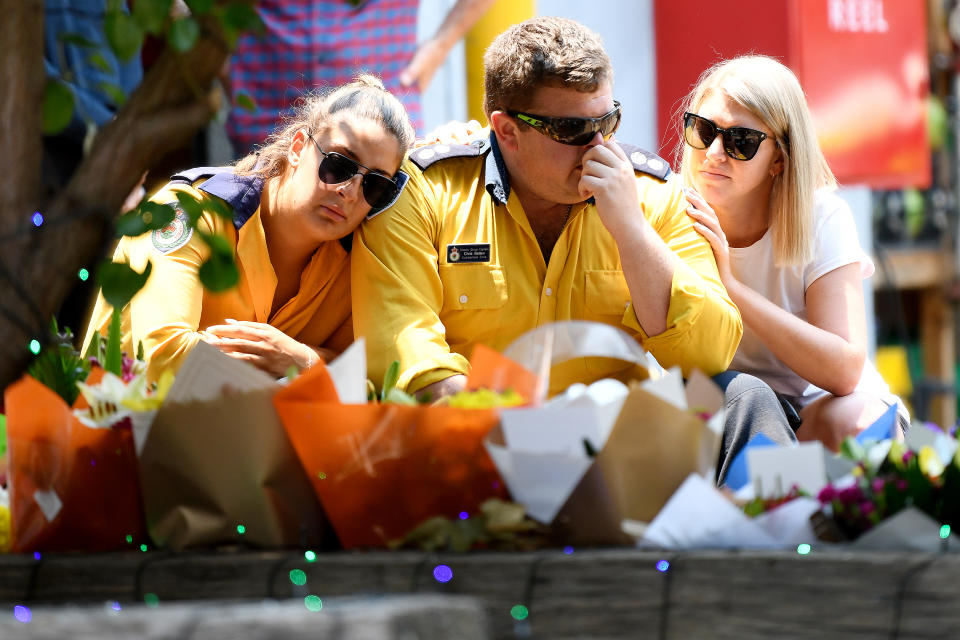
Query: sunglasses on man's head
{"points": [[379, 191], [575, 131], [740, 143]]}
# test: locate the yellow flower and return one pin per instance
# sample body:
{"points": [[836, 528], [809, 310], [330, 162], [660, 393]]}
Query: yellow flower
{"points": [[6, 537], [930, 462], [141, 400], [484, 399]]}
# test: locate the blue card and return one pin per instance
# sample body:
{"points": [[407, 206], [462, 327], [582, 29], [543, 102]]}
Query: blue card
{"points": [[882, 429]]}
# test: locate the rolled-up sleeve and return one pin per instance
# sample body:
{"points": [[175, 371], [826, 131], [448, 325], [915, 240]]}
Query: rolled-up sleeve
{"points": [[703, 325]]}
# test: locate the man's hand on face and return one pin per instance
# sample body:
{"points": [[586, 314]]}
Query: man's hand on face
{"points": [[608, 176]]}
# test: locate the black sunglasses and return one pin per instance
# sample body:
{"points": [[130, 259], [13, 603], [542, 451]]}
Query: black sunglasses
{"points": [[575, 131], [740, 143], [379, 191]]}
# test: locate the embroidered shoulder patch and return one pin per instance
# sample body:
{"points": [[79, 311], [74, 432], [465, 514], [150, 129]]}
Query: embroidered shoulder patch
{"points": [[174, 235]]}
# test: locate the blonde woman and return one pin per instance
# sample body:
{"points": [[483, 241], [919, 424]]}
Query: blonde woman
{"points": [[786, 246], [295, 203]]}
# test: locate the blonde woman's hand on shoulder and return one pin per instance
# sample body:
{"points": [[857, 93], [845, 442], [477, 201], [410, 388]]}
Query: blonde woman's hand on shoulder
{"points": [[707, 224]]}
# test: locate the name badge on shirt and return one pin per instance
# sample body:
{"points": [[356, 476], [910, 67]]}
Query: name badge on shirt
{"points": [[466, 253]]}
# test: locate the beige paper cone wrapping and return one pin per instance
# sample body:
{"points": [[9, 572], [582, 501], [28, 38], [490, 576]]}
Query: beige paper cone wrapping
{"points": [[210, 467]]}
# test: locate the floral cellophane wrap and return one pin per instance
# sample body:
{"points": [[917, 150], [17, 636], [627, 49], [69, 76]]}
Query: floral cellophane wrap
{"points": [[72, 487], [382, 469]]}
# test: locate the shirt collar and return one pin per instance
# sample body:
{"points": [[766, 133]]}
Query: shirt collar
{"points": [[495, 171], [241, 192], [497, 180]]}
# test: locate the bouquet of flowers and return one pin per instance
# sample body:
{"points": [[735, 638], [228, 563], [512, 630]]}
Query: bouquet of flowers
{"points": [[72, 462], [890, 476]]}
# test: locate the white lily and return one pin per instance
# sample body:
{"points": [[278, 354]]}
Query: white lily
{"points": [[107, 402]]}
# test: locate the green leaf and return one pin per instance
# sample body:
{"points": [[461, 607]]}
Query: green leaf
{"points": [[245, 102], [57, 106], [123, 34], [77, 40], [60, 366], [115, 93], [3, 434], [131, 224], [390, 379], [219, 273], [191, 206], [395, 396], [97, 60], [146, 217], [218, 244], [157, 216], [241, 16], [851, 449], [151, 15], [113, 361], [199, 7], [183, 34], [140, 351], [119, 282], [219, 207]]}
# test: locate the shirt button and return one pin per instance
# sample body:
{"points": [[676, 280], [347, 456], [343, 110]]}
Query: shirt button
{"points": [[463, 299], [549, 291]]}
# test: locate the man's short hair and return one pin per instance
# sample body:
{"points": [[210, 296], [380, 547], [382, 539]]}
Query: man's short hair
{"points": [[541, 52]]}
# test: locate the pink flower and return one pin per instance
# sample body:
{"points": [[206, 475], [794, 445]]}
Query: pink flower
{"points": [[827, 494]]}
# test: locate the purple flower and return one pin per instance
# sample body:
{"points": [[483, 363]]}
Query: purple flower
{"points": [[851, 494], [878, 484], [866, 507], [908, 456], [827, 494], [901, 484]]}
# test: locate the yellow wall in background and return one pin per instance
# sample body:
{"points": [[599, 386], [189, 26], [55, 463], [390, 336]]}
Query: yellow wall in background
{"points": [[501, 15]]}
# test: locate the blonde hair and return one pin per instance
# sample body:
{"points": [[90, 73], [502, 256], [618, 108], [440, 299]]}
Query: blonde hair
{"points": [[770, 91], [541, 52], [364, 98]]}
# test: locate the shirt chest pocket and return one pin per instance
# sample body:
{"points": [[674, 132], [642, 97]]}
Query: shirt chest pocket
{"points": [[473, 286], [605, 292]]}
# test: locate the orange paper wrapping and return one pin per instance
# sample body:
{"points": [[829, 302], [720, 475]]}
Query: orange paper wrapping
{"points": [[93, 472], [382, 469]]}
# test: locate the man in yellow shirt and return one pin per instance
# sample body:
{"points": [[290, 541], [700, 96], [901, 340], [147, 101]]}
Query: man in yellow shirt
{"points": [[550, 219]]}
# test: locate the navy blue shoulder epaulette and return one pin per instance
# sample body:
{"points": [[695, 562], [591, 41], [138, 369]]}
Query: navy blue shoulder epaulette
{"points": [[431, 154], [242, 193], [645, 161], [190, 176]]}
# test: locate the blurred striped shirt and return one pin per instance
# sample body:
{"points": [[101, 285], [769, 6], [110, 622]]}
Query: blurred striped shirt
{"points": [[318, 44]]}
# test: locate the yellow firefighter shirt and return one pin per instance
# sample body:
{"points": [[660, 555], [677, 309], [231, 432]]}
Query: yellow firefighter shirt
{"points": [[455, 263], [173, 307]]}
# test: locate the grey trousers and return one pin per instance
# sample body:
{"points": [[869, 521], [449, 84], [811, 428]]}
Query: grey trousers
{"points": [[752, 408]]}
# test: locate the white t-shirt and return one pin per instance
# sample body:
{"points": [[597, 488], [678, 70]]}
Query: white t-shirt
{"points": [[836, 246]]}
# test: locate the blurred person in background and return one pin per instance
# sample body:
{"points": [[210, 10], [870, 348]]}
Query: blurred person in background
{"points": [[93, 83], [786, 246], [312, 44]]}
